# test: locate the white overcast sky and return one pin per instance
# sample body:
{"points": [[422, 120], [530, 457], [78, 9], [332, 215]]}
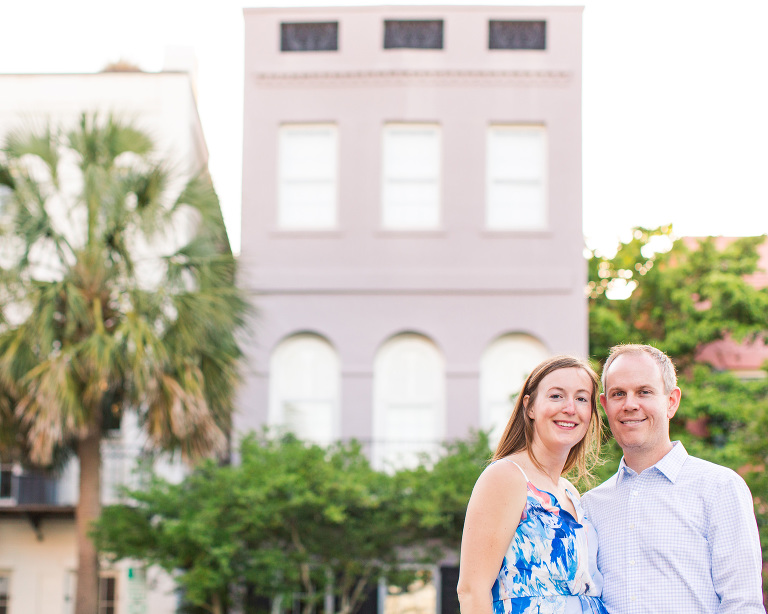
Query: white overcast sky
{"points": [[675, 96]]}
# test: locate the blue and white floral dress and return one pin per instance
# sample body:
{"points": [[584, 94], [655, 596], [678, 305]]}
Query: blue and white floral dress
{"points": [[551, 565]]}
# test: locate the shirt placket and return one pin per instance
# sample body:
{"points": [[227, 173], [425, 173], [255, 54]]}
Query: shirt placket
{"points": [[632, 485]]}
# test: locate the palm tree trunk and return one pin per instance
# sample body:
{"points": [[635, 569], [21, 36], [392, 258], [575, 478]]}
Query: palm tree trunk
{"points": [[88, 510]]}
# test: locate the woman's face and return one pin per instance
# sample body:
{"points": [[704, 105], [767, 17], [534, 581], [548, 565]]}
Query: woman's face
{"points": [[562, 408]]}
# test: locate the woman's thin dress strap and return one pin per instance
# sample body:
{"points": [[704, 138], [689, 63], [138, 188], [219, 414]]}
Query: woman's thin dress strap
{"points": [[519, 467]]}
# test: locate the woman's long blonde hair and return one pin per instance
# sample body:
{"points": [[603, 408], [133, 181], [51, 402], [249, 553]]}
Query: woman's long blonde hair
{"points": [[518, 435]]}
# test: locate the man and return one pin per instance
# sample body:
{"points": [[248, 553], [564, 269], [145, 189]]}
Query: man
{"points": [[676, 534]]}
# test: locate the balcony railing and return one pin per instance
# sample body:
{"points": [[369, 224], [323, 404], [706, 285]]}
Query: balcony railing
{"points": [[29, 488]]}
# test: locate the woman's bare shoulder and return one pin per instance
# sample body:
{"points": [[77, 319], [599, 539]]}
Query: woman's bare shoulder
{"points": [[502, 473]]}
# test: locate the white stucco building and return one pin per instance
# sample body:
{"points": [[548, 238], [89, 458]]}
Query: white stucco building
{"points": [[37, 529]]}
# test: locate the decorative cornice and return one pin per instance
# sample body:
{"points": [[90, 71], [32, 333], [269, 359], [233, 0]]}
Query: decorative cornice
{"points": [[413, 77]]}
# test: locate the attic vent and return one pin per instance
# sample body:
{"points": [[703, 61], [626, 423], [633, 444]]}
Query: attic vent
{"points": [[517, 34], [322, 36], [424, 34]]}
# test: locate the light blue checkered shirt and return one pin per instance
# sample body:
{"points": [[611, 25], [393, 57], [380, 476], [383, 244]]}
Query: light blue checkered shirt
{"points": [[679, 538]]}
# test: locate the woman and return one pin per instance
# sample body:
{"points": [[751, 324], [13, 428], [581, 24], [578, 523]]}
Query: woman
{"points": [[527, 547]]}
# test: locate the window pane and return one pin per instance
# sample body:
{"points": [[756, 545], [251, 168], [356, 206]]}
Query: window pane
{"points": [[516, 206], [516, 154], [412, 153], [517, 35], [307, 170], [409, 400], [308, 153], [410, 205], [503, 368], [411, 176], [6, 477], [422, 34], [307, 205], [304, 388], [516, 178], [323, 36], [309, 420], [107, 587]]}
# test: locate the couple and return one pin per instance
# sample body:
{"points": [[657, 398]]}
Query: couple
{"points": [[677, 534]]}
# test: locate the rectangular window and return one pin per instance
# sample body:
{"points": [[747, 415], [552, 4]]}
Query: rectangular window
{"points": [[517, 35], [107, 594], [422, 34], [322, 36], [5, 597], [411, 176], [516, 174], [307, 170], [6, 482]]}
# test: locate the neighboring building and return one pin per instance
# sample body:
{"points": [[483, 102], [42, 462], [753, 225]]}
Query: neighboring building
{"points": [[746, 359], [37, 531], [411, 217]]}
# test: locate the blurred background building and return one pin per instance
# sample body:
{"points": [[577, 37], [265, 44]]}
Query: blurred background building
{"points": [[411, 224], [37, 527], [411, 237], [411, 217]]}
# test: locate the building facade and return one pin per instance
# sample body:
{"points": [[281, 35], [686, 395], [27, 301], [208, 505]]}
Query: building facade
{"points": [[38, 558], [411, 217]]}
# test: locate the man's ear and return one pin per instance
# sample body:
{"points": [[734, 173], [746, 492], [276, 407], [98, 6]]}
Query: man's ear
{"points": [[602, 400], [674, 402]]}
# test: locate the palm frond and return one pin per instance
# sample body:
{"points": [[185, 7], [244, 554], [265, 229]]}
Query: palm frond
{"points": [[43, 144], [99, 143], [96, 335], [51, 408]]}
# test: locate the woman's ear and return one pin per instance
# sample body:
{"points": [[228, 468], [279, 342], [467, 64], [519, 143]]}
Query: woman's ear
{"points": [[526, 402]]}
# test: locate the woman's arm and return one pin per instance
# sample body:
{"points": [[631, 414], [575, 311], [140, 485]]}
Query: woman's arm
{"points": [[493, 514]]}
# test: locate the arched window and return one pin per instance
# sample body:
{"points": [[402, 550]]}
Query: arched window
{"points": [[409, 400], [503, 368], [304, 386]]}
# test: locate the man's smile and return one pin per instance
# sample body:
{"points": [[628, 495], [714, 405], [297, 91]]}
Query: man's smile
{"points": [[630, 422]]}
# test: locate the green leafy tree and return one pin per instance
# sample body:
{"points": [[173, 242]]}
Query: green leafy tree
{"points": [[435, 494], [682, 298], [116, 294], [291, 520]]}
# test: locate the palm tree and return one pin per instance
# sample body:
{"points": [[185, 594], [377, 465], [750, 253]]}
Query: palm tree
{"points": [[114, 297]]}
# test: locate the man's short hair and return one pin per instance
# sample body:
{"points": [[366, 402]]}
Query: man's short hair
{"points": [[668, 374]]}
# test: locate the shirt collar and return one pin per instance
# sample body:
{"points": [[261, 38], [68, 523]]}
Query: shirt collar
{"points": [[670, 465]]}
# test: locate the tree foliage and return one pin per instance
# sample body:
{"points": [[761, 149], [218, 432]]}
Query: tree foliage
{"points": [[295, 520], [683, 297], [435, 494]]}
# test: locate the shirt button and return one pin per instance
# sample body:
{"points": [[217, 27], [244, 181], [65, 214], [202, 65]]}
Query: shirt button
{"points": [[631, 562], [632, 526], [633, 598], [634, 493]]}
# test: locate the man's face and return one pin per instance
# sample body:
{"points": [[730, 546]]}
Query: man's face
{"points": [[637, 406]]}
